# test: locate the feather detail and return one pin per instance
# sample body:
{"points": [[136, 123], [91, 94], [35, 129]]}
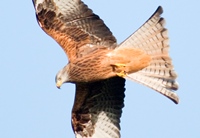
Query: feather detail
{"points": [[152, 38]]}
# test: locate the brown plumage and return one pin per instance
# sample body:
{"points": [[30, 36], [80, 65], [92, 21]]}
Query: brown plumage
{"points": [[97, 108], [98, 66], [103, 64]]}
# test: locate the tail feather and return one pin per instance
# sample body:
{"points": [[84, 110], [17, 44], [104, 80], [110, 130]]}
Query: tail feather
{"points": [[160, 67], [152, 38], [163, 86], [151, 35], [159, 72]]}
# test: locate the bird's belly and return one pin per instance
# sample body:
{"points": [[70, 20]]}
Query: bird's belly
{"points": [[91, 70]]}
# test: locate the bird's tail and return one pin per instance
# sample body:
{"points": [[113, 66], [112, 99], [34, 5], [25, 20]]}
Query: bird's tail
{"points": [[152, 38]]}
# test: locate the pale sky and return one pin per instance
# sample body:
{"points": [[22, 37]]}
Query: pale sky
{"points": [[32, 107]]}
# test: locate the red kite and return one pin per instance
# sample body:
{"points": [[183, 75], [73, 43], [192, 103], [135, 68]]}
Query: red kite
{"points": [[98, 65]]}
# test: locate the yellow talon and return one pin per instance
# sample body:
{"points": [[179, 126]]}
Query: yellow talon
{"points": [[120, 65], [121, 74]]}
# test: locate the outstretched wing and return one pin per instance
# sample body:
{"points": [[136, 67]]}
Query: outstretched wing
{"points": [[98, 108], [74, 26], [153, 39]]}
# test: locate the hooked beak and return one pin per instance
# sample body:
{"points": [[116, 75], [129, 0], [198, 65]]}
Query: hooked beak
{"points": [[58, 84]]}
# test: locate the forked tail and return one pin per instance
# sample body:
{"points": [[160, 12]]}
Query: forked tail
{"points": [[152, 38]]}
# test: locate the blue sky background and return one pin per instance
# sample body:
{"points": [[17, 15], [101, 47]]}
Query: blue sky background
{"points": [[32, 107]]}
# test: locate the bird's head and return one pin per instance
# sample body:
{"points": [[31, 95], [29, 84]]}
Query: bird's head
{"points": [[62, 76]]}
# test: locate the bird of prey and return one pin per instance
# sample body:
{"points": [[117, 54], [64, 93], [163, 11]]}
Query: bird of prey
{"points": [[98, 66]]}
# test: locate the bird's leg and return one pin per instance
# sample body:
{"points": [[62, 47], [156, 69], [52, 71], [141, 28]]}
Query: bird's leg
{"points": [[120, 70], [121, 74], [120, 65]]}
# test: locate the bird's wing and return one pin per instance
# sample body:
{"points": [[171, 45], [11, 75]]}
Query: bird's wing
{"points": [[97, 108], [153, 39], [74, 26]]}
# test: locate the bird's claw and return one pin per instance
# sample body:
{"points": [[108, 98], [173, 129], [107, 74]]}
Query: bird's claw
{"points": [[120, 70], [120, 65], [121, 74]]}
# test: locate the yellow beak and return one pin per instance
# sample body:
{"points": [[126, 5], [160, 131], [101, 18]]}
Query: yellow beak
{"points": [[58, 84]]}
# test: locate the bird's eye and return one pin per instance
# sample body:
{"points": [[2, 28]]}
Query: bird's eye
{"points": [[59, 79]]}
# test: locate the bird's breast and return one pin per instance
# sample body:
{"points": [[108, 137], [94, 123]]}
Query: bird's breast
{"points": [[93, 67]]}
